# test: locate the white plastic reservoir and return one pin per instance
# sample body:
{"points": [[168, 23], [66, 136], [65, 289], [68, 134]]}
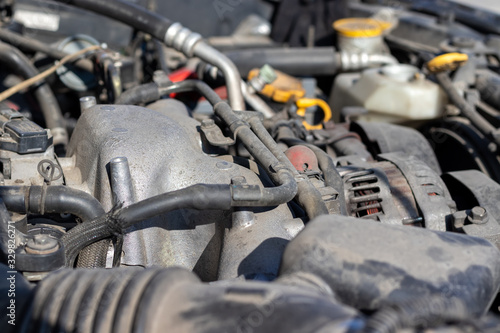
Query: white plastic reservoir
{"points": [[393, 93]]}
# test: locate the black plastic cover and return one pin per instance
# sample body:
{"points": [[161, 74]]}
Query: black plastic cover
{"points": [[21, 135]]}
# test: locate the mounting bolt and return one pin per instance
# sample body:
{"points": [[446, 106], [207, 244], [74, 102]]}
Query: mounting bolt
{"points": [[42, 244], [240, 180], [207, 123], [478, 215]]}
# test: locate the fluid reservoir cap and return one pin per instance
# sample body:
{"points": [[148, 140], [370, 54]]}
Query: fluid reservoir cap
{"points": [[360, 27], [73, 77]]}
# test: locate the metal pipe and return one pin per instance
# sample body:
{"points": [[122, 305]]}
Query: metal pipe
{"points": [[173, 35]]}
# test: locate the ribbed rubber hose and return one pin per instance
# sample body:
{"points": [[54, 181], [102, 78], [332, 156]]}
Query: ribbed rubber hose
{"points": [[19, 64]]}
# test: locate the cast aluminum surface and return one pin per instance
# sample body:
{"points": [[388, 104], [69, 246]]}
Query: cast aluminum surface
{"points": [[165, 153]]}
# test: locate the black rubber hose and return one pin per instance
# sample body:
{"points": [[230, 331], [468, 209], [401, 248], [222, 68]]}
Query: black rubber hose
{"points": [[466, 109], [31, 44], [200, 197], [143, 94], [64, 200], [317, 61], [128, 13], [19, 64], [57, 199]]}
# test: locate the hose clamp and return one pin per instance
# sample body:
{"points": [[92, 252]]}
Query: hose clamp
{"points": [[181, 39]]}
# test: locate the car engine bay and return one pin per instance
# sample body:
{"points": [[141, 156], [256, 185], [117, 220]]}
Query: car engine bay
{"points": [[249, 166]]}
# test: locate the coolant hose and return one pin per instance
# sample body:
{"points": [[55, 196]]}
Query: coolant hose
{"points": [[306, 61], [62, 200], [56, 199], [20, 65], [173, 35]]}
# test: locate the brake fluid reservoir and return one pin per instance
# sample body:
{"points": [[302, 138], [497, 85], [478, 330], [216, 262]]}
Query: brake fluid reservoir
{"points": [[392, 93]]}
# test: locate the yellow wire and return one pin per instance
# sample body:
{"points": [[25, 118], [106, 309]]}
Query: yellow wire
{"points": [[27, 83]]}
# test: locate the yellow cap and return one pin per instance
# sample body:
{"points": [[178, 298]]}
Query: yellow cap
{"points": [[447, 62], [360, 27]]}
